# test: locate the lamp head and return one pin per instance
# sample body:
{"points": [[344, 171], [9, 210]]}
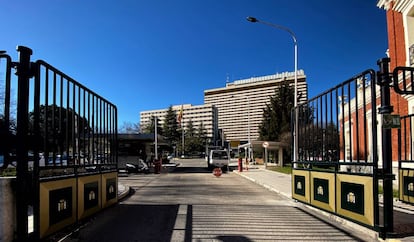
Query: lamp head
{"points": [[252, 19]]}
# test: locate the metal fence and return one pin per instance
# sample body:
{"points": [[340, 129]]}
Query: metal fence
{"points": [[337, 165], [335, 127], [404, 84], [342, 162], [53, 128], [74, 127], [406, 159]]}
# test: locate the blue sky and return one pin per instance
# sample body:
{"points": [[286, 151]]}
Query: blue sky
{"points": [[144, 55]]}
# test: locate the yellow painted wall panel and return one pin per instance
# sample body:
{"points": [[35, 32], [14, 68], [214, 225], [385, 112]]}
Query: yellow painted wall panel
{"points": [[366, 216], [57, 189], [300, 185], [330, 178], [84, 210]]}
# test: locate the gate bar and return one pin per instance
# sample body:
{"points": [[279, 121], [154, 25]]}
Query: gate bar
{"points": [[22, 175], [384, 80]]}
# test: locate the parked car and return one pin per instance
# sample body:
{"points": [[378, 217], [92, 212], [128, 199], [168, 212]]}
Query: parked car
{"points": [[140, 167], [57, 160]]}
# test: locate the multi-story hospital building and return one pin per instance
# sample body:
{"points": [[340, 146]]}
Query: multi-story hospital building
{"points": [[240, 103], [236, 110]]}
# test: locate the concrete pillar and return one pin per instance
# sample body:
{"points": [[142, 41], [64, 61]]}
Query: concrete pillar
{"points": [[7, 209], [280, 156]]}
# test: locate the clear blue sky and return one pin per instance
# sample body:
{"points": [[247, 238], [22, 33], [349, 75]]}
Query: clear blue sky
{"points": [[144, 55]]}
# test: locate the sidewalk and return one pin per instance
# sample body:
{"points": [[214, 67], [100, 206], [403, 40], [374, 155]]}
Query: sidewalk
{"points": [[275, 181], [281, 183]]}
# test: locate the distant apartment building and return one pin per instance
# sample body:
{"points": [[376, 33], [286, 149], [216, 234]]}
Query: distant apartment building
{"points": [[198, 114], [240, 103]]}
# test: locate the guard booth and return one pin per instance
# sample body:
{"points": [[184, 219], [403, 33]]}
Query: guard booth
{"points": [[344, 149], [62, 138]]}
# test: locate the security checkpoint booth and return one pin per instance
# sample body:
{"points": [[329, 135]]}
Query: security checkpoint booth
{"points": [[274, 151]]}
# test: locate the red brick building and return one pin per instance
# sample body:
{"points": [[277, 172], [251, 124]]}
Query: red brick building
{"points": [[400, 27], [356, 113]]}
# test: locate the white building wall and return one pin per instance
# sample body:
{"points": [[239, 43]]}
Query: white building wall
{"points": [[205, 114], [240, 104]]}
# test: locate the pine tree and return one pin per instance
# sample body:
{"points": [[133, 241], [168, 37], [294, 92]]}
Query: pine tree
{"points": [[190, 138], [277, 114], [170, 127], [201, 137], [150, 128]]}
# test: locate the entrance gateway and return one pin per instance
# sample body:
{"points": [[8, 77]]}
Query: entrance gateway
{"points": [[345, 150], [62, 138]]}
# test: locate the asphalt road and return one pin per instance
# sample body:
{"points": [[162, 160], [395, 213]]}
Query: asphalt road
{"points": [[191, 204]]}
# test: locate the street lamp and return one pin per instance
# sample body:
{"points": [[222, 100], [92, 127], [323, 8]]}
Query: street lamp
{"points": [[295, 138], [156, 137]]}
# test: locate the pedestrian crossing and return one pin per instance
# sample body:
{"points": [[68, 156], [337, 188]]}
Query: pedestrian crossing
{"points": [[261, 223]]}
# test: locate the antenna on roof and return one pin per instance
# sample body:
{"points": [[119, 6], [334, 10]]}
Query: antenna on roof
{"points": [[227, 78]]}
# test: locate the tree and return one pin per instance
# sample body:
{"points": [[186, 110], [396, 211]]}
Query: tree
{"points": [[8, 126], [319, 142], [190, 138], [170, 127], [57, 125], [150, 128], [277, 114], [201, 137], [7, 140], [129, 128]]}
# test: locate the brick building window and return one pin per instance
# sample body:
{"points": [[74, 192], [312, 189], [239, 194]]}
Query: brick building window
{"points": [[410, 35]]}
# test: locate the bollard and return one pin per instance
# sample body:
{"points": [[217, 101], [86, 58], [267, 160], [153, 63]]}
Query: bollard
{"points": [[7, 209], [240, 163]]}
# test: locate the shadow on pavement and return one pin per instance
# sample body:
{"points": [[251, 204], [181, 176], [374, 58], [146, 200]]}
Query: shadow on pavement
{"points": [[329, 223], [403, 224], [233, 238], [192, 170], [130, 223]]}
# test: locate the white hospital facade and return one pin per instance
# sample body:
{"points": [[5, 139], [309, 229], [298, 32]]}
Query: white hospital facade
{"points": [[236, 110]]}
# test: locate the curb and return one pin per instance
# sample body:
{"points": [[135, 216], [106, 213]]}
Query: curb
{"points": [[349, 225], [123, 191]]}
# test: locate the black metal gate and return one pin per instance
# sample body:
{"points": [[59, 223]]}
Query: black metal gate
{"points": [[341, 164], [404, 84], [406, 159], [62, 138]]}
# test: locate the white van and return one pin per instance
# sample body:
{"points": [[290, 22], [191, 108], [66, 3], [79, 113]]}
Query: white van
{"points": [[218, 158]]}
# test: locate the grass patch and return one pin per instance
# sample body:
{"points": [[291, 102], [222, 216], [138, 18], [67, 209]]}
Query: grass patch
{"points": [[287, 169], [395, 192]]}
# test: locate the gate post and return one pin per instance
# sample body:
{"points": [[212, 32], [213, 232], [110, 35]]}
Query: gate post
{"points": [[22, 174], [384, 80]]}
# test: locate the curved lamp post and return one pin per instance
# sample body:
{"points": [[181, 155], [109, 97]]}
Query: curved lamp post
{"points": [[295, 139]]}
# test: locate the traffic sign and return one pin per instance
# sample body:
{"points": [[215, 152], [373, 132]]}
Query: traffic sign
{"points": [[217, 171]]}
